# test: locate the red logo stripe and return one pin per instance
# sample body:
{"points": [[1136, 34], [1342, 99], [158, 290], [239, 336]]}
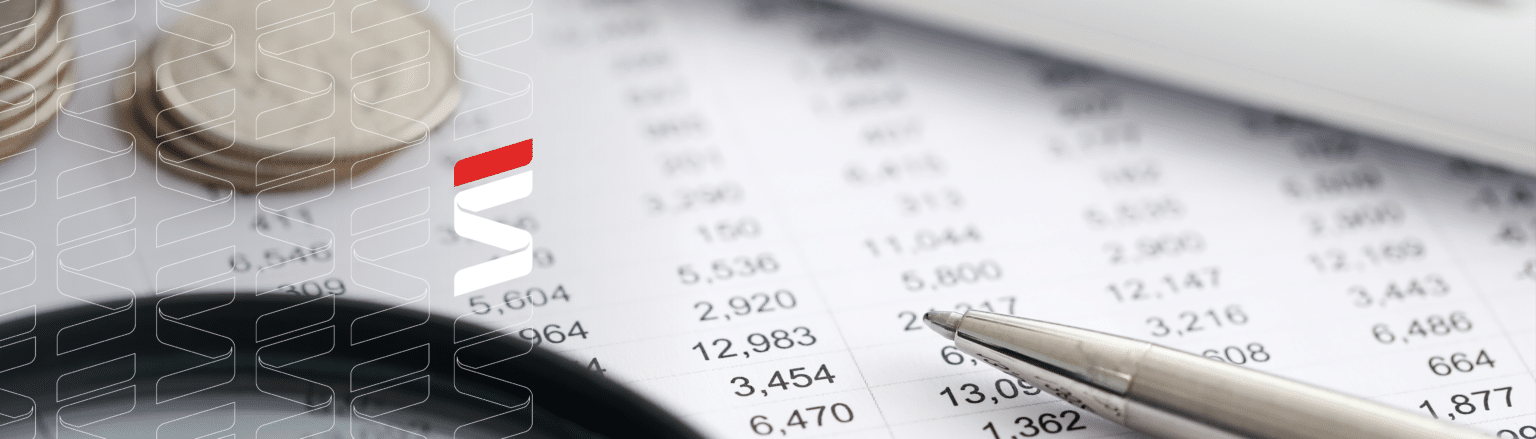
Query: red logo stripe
{"points": [[496, 161]]}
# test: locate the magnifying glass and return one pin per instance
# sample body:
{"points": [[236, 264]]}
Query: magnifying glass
{"points": [[227, 365]]}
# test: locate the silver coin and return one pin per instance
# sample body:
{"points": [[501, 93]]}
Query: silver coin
{"points": [[226, 157], [195, 169], [14, 15], [31, 90], [222, 160], [13, 142], [38, 111], [168, 156], [21, 24], [306, 92], [38, 69]]}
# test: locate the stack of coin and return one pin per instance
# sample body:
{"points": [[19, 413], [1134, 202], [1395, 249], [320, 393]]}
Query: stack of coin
{"points": [[33, 66], [293, 96]]}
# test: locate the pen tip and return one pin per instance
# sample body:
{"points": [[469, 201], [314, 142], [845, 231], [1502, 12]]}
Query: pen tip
{"points": [[943, 322]]}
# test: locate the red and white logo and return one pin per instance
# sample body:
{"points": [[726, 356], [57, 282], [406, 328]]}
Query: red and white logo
{"points": [[497, 163]]}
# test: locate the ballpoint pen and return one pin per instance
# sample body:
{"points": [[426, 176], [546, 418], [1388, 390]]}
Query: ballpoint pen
{"points": [[1172, 394]]}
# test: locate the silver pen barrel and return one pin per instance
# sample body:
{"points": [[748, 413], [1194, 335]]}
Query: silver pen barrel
{"points": [[1172, 394]]}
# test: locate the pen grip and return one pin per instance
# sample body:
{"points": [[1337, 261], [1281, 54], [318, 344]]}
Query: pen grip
{"points": [[1175, 394]]}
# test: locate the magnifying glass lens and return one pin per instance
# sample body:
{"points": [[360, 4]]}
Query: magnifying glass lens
{"points": [[212, 365]]}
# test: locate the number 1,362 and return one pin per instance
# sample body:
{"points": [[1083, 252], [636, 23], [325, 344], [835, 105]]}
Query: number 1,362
{"points": [[1045, 423]]}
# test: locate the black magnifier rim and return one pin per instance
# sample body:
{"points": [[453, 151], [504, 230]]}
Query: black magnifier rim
{"points": [[568, 400]]}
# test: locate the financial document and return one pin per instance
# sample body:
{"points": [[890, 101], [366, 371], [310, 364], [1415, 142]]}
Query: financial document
{"points": [[742, 209]]}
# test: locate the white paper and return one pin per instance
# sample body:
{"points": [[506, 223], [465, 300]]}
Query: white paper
{"points": [[841, 174]]}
